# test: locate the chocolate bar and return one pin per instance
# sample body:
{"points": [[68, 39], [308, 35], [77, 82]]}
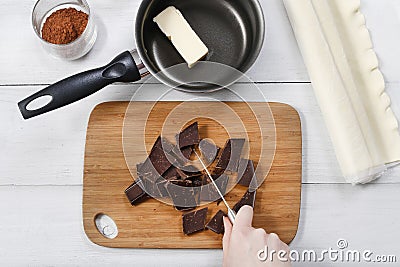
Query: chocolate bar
{"points": [[247, 199], [216, 224], [194, 221], [209, 150], [135, 193], [189, 136], [246, 169], [230, 156]]}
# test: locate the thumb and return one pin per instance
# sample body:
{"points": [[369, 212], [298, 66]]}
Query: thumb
{"points": [[244, 217]]}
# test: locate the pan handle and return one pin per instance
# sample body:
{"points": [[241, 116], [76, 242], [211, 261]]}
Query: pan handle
{"points": [[121, 69]]}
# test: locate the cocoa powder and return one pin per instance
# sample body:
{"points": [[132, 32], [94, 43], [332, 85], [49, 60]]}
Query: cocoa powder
{"points": [[64, 26]]}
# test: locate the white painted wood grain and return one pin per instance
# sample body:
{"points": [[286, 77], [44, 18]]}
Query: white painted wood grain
{"points": [[49, 149], [24, 61], [42, 226]]}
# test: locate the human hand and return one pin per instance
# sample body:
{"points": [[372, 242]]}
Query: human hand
{"points": [[242, 243]]}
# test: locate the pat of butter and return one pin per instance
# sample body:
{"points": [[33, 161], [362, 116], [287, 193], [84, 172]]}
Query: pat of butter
{"points": [[177, 29]]}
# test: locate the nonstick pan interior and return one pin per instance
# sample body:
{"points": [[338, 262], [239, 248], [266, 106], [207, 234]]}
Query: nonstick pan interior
{"points": [[233, 31]]}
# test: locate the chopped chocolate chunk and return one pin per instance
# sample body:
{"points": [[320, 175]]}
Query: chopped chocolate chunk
{"points": [[197, 182], [187, 152], [139, 166], [216, 224], [170, 173], [149, 184], [209, 192], [194, 221], [184, 198], [191, 169], [194, 175], [209, 150], [162, 144], [182, 174], [181, 156], [188, 175], [162, 187], [217, 172], [189, 136], [230, 156], [247, 199], [135, 194], [184, 183], [246, 169], [155, 165], [159, 160]]}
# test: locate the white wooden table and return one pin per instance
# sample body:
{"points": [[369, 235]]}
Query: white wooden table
{"points": [[41, 160]]}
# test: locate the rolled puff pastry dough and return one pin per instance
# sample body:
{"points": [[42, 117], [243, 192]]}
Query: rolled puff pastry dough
{"points": [[349, 87]]}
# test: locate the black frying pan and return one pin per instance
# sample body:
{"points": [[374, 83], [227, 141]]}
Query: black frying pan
{"points": [[233, 31]]}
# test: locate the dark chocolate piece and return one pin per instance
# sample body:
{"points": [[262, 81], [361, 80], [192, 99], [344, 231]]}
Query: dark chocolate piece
{"points": [[155, 165], [187, 152], [184, 183], [139, 166], [188, 175], [135, 194], [230, 156], [194, 175], [149, 184], [194, 221], [189, 136], [197, 182], [247, 199], [184, 198], [170, 173], [181, 155], [209, 150], [246, 169], [217, 172], [209, 192], [160, 160], [191, 169], [182, 174], [216, 224], [163, 144], [162, 187]]}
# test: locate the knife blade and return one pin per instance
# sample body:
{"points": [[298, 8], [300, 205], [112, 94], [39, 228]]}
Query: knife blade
{"points": [[231, 213]]}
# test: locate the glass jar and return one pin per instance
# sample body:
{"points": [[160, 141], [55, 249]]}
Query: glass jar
{"points": [[75, 49]]}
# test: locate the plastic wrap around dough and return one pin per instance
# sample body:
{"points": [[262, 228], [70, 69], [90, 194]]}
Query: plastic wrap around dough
{"points": [[349, 87]]}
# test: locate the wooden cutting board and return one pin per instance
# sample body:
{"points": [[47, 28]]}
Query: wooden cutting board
{"points": [[154, 224]]}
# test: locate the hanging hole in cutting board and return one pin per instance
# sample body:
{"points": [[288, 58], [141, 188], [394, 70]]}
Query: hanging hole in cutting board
{"points": [[39, 102], [106, 225]]}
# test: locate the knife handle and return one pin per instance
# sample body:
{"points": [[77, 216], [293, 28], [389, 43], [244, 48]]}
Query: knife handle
{"points": [[121, 69]]}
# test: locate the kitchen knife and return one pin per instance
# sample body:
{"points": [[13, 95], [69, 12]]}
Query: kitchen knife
{"points": [[231, 213]]}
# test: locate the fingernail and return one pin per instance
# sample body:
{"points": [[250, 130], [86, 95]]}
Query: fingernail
{"points": [[274, 236]]}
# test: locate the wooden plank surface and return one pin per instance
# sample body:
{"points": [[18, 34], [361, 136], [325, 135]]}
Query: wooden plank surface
{"points": [[106, 174]]}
